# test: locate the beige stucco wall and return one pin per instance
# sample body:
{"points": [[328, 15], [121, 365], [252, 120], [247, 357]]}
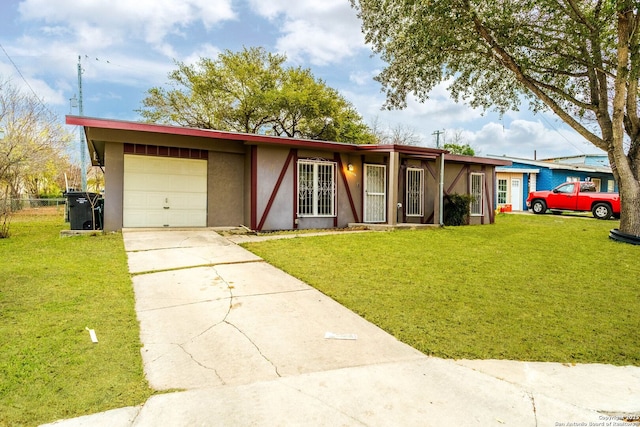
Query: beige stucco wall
{"points": [[282, 213], [225, 188], [271, 161], [463, 186], [113, 185]]}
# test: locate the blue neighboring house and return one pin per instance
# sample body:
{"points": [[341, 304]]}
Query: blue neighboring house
{"points": [[515, 182]]}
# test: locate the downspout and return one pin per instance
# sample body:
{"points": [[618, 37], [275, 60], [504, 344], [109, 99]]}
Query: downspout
{"points": [[441, 190]]}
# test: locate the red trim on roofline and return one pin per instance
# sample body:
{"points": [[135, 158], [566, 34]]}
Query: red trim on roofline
{"points": [[431, 153], [476, 160], [251, 139], [204, 133]]}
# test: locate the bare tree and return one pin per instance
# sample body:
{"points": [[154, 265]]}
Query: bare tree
{"points": [[399, 134], [404, 135], [456, 143], [32, 135]]}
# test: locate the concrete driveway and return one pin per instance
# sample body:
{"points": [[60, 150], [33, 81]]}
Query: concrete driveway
{"points": [[251, 345]]}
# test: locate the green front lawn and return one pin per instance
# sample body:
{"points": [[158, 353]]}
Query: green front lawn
{"points": [[51, 288], [537, 288]]}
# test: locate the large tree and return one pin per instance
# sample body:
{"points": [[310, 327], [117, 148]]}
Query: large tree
{"points": [[32, 139], [252, 91], [578, 58]]}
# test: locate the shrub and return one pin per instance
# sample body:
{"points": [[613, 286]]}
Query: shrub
{"points": [[456, 209]]}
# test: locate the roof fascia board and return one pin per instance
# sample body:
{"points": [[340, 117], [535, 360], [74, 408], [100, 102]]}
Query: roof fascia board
{"points": [[517, 170], [554, 166], [249, 139], [476, 160]]}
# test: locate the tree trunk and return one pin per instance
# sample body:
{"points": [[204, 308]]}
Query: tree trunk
{"points": [[629, 189]]}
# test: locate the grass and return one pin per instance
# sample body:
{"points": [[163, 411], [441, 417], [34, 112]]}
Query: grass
{"points": [[51, 288], [535, 288]]}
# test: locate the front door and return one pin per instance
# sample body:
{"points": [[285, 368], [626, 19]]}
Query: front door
{"points": [[516, 195], [375, 193]]}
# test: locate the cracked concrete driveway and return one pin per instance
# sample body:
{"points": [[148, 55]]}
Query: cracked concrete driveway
{"points": [[246, 342], [237, 319]]}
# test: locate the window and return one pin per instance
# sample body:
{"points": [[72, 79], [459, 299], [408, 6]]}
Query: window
{"points": [[502, 191], [611, 186], [316, 188], [588, 186], [565, 189], [415, 192], [477, 204], [573, 179]]}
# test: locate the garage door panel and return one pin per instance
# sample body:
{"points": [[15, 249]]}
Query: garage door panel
{"points": [[164, 192], [143, 218], [186, 202], [184, 218], [136, 200]]}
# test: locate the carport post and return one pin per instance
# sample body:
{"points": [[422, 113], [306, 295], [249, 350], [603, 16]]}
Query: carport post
{"points": [[441, 190], [392, 197]]}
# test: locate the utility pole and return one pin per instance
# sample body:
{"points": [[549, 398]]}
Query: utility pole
{"points": [[83, 149], [437, 134]]}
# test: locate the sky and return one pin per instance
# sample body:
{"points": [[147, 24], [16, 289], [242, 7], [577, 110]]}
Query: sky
{"points": [[126, 47]]}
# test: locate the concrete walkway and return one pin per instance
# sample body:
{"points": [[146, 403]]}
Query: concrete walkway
{"points": [[251, 345]]}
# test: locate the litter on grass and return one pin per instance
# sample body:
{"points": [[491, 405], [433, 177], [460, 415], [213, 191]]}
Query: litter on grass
{"points": [[92, 334], [332, 336]]}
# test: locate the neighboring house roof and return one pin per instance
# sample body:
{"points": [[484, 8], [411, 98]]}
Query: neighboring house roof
{"points": [[517, 170], [554, 165], [582, 159], [96, 146]]}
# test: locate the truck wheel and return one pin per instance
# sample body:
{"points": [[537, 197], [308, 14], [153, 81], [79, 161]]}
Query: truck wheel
{"points": [[601, 211], [538, 207]]}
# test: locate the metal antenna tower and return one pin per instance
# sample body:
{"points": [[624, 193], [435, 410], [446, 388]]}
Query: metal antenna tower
{"points": [[83, 144]]}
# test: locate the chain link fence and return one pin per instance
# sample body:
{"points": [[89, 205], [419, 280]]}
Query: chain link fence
{"points": [[20, 204]]}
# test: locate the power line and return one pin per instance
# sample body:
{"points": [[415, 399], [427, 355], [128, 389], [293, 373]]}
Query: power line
{"points": [[25, 80], [111, 63], [558, 132]]}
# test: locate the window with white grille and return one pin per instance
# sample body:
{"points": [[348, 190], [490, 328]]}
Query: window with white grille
{"points": [[316, 188], [502, 191], [477, 203], [415, 192]]}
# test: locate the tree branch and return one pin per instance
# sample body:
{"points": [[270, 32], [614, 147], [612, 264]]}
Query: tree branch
{"points": [[531, 84]]}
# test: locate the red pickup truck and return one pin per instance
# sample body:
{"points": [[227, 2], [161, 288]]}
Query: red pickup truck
{"points": [[575, 196]]}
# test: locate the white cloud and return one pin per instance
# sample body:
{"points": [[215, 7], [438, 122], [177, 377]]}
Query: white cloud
{"points": [[523, 138], [322, 31], [203, 51], [120, 21], [437, 112], [362, 78]]}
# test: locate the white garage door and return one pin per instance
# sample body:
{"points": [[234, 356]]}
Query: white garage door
{"points": [[164, 192]]}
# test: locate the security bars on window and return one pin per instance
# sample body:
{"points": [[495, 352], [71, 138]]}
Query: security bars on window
{"points": [[316, 188], [375, 185], [415, 192], [476, 192]]}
